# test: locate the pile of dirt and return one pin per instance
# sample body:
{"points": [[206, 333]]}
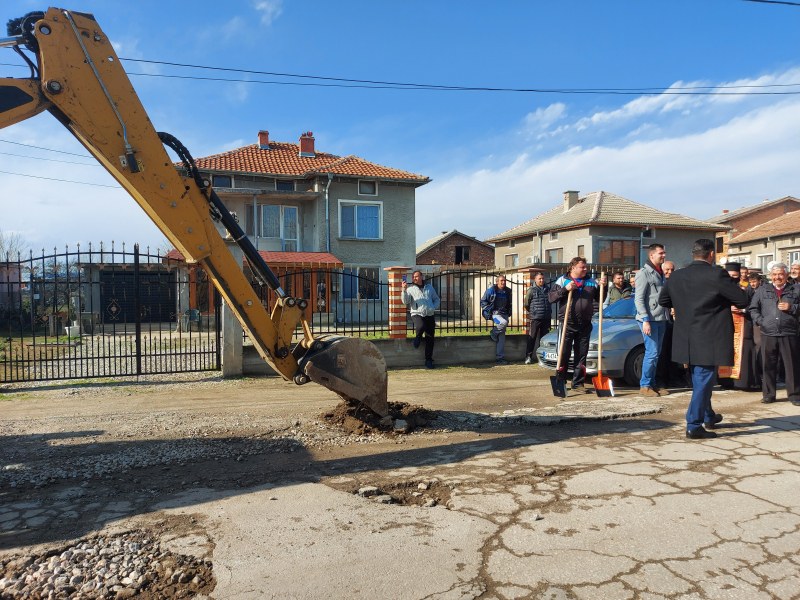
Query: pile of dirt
{"points": [[357, 419]]}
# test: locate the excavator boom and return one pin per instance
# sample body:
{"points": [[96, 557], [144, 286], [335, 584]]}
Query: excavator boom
{"points": [[78, 78]]}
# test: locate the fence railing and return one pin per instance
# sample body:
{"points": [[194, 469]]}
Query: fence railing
{"points": [[106, 311]]}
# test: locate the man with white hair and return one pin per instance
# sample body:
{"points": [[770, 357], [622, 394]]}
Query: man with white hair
{"points": [[774, 308], [794, 272]]}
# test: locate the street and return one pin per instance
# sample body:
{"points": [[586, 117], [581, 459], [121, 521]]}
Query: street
{"points": [[507, 493]]}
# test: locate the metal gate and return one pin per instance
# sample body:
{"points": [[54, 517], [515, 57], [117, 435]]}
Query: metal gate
{"points": [[105, 313]]}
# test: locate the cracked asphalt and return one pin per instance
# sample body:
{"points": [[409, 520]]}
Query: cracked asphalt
{"points": [[513, 494]]}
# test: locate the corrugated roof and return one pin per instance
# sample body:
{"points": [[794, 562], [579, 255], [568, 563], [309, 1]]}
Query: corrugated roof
{"points": [[283, 159], [788, 224], [739, 212], [444, 235], [603, 208]]}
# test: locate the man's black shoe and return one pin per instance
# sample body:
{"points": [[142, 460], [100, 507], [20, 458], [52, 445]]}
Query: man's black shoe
{"points": [[429, 364], [767, 400], [713, 424], [416, 342], [700, 434]]}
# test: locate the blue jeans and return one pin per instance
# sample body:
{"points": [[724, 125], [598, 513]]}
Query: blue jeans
{"points": [[500, 323], [700, 411], [652, 348]]}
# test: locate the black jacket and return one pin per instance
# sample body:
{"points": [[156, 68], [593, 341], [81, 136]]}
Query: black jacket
{"points": [[583, 299], [764, 310], [702, 295], [538, 303]]}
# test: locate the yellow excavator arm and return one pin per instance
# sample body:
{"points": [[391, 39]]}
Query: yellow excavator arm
{"points": [[77, 76]]}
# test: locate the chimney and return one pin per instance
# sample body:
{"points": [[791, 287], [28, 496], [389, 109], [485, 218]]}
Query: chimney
{"points": [[725, 211], [570, 200], [307, 145], [263, 139]]}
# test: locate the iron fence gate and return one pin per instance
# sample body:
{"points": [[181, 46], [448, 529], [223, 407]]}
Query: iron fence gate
{"points": [[102, 313]]}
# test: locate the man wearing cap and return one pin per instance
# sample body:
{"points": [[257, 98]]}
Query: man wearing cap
{"points": [[775, 307], [702, 295]]}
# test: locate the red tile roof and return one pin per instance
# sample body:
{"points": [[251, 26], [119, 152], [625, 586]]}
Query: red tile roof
{"points": [[297, 259], [788, 224], [294, 259], [283, 159]]}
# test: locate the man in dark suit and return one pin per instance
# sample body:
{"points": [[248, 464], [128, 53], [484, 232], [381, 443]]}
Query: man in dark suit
{"points": [[702, 295]]}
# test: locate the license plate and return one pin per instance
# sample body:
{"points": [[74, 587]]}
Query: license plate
{"points": [[550, 356]]}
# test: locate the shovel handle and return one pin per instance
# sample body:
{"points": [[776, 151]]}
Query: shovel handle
{"points": [[600, 334], [563, 331]]}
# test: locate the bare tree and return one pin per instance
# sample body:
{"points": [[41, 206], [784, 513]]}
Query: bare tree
{"points": [[11, 244]]}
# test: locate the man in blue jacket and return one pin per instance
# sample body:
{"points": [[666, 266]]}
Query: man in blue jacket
{"points": [[496, 305]]}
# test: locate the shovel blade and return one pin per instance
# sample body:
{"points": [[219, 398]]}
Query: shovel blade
{"points": [[559, 386], [603, 386]]}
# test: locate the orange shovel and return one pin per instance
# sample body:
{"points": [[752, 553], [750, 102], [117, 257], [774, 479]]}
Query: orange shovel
{"points": [[603, 386]]}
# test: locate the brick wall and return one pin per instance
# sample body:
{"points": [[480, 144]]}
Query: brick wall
{"points": [[444, 253]]}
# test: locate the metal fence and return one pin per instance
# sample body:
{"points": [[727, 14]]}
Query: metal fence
{"points": [[104, 312]]}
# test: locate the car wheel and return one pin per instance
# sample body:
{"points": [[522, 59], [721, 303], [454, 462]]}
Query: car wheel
{"points": [[633, 366]]}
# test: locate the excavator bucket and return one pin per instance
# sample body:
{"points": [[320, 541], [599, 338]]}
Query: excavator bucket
{"points": [[353, 368]]}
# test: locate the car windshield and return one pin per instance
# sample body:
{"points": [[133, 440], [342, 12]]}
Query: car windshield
{"points": [[621, 309]]}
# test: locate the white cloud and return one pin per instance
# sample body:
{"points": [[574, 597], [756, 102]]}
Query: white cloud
{"points": [[269, 9], [746, 159], [542, 118]]}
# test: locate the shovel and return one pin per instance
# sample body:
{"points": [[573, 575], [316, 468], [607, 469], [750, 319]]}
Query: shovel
{"points": [[603, 386], [558, 381]]}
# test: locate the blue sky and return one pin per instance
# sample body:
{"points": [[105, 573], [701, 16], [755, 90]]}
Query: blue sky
{"points": [[496, 158]]}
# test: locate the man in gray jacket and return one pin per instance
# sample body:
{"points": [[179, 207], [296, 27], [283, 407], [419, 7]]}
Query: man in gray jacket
{"points": [[651, 316], [424, 301]]}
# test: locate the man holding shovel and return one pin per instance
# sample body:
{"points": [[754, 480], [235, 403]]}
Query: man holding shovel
{"points": [[577, 322]]}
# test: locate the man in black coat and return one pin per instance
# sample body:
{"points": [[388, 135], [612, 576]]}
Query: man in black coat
{"points": [[702, 295]]}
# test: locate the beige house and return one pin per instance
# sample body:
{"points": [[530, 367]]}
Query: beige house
{"points": [[290, 198], [601, 227], [776, 240]]}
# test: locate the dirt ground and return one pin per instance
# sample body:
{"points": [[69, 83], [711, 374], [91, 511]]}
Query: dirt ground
{"points": [[137, 441]]}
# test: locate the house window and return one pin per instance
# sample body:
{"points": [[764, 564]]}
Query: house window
{"points": [[462, 254], [511, 260], [618, 252], [367, 188], [582, 251], [793, 256], [763, 261], [554, 256], [512, 243], [221, 181], [648, 233], [553, 236], [361, 283], [280, 222], [720, 245], [282, 185], [360, 220]]}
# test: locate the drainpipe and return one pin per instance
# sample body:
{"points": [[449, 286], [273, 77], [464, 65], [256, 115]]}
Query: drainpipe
{"points": [[328, 215]]}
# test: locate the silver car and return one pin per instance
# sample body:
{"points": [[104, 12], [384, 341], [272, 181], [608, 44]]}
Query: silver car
{"points": [[623, 346]]}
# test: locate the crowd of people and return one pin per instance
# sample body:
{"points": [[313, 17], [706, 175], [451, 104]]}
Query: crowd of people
{"points": [[684, 315]]}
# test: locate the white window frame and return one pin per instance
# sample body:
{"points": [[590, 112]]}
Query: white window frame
{"points": [[792, 256], [762, 264], [283, 239], [360, 181], [512, 243], [215, 175], [553, 236], [292, 181], [514, 260], [743, 260], [345, 202]]}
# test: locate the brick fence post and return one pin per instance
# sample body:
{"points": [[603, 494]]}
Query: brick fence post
{"points": [[397, 310], [528, 273]]}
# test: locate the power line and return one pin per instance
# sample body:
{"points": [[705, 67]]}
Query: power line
{"points": [[69, 162], [116, 187], [785, 2], [47, 149], [598, 91]]}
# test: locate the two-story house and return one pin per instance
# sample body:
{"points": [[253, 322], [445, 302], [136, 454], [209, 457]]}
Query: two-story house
{"points": [[742, 220], [307, 209], [601, 227]]}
